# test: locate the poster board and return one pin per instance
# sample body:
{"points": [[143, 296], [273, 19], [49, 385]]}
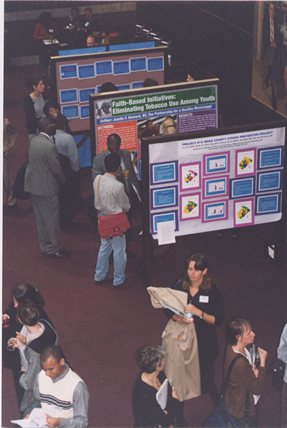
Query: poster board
{"points": [[76, 77], [214, 180], [192, 106]]}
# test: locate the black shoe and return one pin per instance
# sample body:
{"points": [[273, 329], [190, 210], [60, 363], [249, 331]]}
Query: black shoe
{"points": [[60, 254]]}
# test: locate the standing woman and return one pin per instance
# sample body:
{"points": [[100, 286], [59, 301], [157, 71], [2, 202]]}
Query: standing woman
{"points": [[21, 293], [34, 105], [244, 377], [206, 306], [146, 409]]}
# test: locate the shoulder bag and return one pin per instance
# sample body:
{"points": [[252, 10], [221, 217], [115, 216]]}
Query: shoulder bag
{"points": [[220, 417], [277, 370], [110, 226]]}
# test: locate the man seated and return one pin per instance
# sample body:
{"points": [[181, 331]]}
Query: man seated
{"points": [[94, 40], [57, 387]]}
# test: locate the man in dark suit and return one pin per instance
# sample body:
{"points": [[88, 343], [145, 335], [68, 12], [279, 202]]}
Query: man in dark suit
{"points": [[42, 180], [127, 175], [272, 41]]}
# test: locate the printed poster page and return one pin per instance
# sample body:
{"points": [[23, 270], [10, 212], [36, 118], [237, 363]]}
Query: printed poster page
{"points": [[190, 109], [222, 181]]}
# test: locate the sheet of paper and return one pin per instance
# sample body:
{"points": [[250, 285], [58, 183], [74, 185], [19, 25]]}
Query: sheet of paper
{"points": [[165, 232], [162, 394], [37, 418]]}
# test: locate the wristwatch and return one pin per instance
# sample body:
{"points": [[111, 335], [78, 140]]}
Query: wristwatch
{"points": [[201, 315]]}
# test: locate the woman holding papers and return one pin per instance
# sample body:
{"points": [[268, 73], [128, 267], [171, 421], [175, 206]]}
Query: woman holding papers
{"points": [[11, 327], [206, 307], [36, 335], [154, 402]]}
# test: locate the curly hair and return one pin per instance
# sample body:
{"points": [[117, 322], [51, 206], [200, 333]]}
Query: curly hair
{"points": [[149, 358]]}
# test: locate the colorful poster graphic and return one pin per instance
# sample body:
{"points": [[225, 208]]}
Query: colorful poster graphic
{"points": [[189, 206], [243, 212], [245, 162], [190, 176]]}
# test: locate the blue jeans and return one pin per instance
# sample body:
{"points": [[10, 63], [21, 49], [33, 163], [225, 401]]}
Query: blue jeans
{"points": [[118, 245]]}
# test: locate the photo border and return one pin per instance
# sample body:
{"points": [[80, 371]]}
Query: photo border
{"points": [[278, 210], [215, 155], [181, 166], [158, 214], [214, 195], [270, 149], [251, 149], [234, 180], [210, 203], [236, 201], [156, 183], [161, 189], [180, 206]]}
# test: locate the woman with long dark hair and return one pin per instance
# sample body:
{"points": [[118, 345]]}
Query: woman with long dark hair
{"points": [[206, 307]]}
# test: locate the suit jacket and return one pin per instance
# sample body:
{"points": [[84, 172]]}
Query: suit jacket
{"points": [[44, 173], [98, 166], [266, 33]]}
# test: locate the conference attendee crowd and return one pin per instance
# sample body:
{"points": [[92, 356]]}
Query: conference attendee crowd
{"points": [[31, 347]]}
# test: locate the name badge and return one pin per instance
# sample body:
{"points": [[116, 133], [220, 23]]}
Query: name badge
{"points": [[203, 299]]}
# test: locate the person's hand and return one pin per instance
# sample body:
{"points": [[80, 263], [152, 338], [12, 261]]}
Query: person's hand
{"points": [[174, 393], [193, 310], [22, 369], [27, 417], [120, 176], [14, 342], [256, 371], [5, 318], [183, 320], [52, 422], [262, 355], [273, 45], [21, 337]]}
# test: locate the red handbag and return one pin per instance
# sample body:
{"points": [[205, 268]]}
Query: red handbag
{"points": [[114, 225], [110, 226]]}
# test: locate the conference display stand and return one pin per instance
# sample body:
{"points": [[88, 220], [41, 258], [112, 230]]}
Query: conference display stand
{"points": [[214, 180]]}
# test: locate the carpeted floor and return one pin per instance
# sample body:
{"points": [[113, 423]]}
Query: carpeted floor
{"points": [[100, 328]]}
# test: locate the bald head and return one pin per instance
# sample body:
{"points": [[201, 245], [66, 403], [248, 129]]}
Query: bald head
{"points": [[169, 126]]}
